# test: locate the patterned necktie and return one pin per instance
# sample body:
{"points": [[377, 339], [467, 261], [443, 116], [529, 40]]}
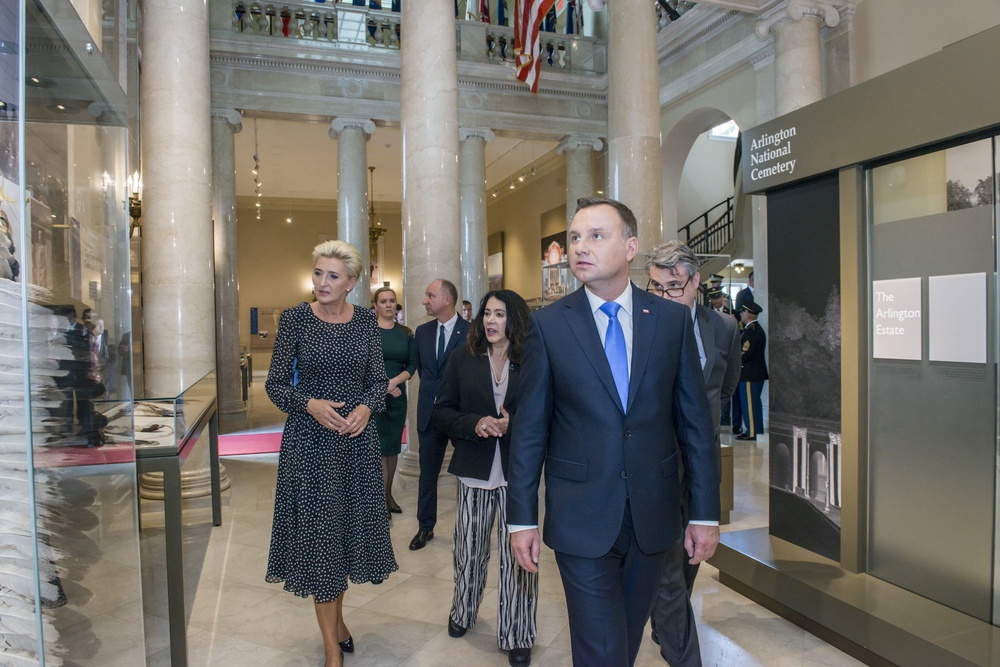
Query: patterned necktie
{"points": [[440, 354], [614, 349]]}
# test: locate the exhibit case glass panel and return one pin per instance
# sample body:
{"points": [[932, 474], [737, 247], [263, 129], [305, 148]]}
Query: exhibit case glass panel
{"points": [[70, 548], [932, 374]]}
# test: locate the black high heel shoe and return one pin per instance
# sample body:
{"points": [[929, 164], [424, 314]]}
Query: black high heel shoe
{"points": [[347, 646]]}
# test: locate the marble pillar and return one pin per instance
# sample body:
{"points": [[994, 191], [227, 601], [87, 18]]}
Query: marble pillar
{"points": [[579, 151], [178, 274], [226, 123], [352, 135], [472, 186], [798, 63], [634, 170], [429, 125]]}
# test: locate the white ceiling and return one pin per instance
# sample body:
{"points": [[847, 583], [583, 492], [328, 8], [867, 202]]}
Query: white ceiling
{"points": [[298, 159]]}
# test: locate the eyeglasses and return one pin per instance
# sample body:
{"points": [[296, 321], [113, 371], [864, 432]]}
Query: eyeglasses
{"points": [[672, 289]]}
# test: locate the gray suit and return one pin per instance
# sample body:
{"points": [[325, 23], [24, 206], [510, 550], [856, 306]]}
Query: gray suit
{"points": [[673, 618]]}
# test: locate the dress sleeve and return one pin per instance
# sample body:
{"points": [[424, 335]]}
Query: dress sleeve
{"points": [[375, 382], [279, 376], [411, 364]]}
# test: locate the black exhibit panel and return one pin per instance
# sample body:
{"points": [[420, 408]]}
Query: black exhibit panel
{"points": [[803, 335], [932, 376]]}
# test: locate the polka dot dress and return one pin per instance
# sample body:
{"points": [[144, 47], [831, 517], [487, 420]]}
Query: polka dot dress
{"points": [[329, 507]]}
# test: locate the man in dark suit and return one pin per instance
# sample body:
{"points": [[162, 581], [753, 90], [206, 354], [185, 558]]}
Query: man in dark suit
{"points": [[744, 296], [673, 274], [435, 340], [753, 373], [611, 386]]}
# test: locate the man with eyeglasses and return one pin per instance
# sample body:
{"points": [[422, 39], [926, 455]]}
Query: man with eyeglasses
{"points": [[673, 274]]}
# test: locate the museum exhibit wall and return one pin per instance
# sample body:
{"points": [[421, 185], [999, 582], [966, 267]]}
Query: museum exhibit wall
{"points": [[804, 363]]}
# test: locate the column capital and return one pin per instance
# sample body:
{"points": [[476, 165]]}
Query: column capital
{"points": [[579, 141], [341, 123], [828, 12], [233, 117], [484, 133]]}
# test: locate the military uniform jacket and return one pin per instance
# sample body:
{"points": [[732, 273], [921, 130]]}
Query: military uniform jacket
{"points": [[753, 342]]}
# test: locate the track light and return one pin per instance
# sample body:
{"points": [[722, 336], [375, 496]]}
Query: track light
{"points": [[512, 184]]}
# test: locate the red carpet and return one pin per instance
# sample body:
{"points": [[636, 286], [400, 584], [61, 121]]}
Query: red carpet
{"points": [[249, 443]]}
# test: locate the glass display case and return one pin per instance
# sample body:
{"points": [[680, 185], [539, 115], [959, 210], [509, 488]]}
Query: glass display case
{"points": [[67, 486]]}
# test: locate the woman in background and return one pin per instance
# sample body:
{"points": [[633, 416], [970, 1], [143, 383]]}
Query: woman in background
{"points": [[477, 400], [329, 518], [400, 354]]}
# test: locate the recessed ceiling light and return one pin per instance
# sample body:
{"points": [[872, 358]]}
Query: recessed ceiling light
{"points": [[39, 82]]}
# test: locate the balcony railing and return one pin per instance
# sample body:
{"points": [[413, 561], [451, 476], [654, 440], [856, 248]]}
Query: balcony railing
{"points": [[355, 28]]}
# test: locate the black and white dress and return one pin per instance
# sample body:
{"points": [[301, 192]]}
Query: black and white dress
{"points": [[329, 506]]}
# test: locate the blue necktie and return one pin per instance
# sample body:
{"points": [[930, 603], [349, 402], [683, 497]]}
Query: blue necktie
{"points": [[440, 354], [614, 349]]}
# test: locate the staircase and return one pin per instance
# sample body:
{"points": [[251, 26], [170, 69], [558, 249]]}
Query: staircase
{"points": [[711, 231]]}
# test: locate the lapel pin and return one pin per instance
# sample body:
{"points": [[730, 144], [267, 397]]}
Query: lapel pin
{"points": [[645, 311]]}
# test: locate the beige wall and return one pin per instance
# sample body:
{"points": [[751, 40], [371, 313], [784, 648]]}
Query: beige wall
{"points": [[707, 178], [891, 33], [275, 258], [519, 215]]}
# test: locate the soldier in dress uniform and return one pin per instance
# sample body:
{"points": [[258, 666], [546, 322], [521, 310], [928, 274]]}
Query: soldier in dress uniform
{"points": [[717, 301], [753, 373]]}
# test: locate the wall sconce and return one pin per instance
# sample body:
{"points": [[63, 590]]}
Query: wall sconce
{"points": [[134, 186]]}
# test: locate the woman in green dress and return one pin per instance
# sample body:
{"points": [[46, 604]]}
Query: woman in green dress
{"points": [[400, 355]]}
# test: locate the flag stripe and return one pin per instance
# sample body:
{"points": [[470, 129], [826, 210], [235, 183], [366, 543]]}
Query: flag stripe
{"points": [[528, 16]]}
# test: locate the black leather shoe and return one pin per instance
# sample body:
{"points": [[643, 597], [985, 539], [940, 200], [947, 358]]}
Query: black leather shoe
{"points": [[454, 629], [347, 646], [746, 437], [421, 539], [519, 657], [737, 430]]}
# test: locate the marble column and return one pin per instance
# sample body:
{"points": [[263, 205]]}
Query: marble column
{"points": [[472, 186], [579, 151], [226, 123], [429, 124], [798, 64], [178, 274], [352, 135], [634, 170]]}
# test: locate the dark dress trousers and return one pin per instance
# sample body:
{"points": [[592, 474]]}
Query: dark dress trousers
{"points": [[433, 442], [673, 618], [612, 492]]}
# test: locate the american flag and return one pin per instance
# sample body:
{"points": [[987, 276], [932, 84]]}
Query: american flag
{"points": [[528, 15]]}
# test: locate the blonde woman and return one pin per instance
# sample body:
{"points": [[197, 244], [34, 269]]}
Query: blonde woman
{"points": [[329, 515]]}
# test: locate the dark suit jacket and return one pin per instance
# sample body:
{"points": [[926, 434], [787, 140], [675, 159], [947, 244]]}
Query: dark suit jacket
{"points": [[597, 455], [742, 297], [466, 396], [721, 339], [431, 368], [754, 363]]}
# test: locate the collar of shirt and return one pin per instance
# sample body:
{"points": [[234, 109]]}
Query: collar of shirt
{"points": [[449, 326], [624, 317]]}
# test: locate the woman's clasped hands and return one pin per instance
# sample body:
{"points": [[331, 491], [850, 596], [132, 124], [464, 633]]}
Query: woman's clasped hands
{"points": [[491, 427], [325, 412]]}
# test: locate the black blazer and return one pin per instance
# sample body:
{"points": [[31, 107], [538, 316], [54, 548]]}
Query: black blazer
{"points": [[596, 453], [465, 397], [431, 368]]}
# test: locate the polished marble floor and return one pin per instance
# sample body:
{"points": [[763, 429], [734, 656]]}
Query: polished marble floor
{"points": [[238, 619]]}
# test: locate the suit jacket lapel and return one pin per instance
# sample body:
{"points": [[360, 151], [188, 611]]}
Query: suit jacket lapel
{"points": [[456, 335], [705, 326], [581, 322], [643, 334]]}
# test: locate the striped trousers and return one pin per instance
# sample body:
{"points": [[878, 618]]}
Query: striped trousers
{"points": [[517, 590]]}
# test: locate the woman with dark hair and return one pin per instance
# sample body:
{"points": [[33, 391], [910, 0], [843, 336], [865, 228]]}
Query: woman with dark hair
{"points": [[476, 401], [400, 354]]}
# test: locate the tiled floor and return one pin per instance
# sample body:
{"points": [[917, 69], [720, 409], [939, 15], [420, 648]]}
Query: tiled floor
{"points": [[238, 619]]}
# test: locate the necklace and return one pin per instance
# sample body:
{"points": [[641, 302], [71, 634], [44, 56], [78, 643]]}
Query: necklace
{"points": [[503, 375]]}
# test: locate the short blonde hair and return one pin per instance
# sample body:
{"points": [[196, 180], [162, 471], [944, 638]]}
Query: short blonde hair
{"points": [[343, 251]]}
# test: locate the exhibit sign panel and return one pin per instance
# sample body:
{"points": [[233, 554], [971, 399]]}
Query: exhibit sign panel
{"points": [[896, 319], [957, 323]]}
